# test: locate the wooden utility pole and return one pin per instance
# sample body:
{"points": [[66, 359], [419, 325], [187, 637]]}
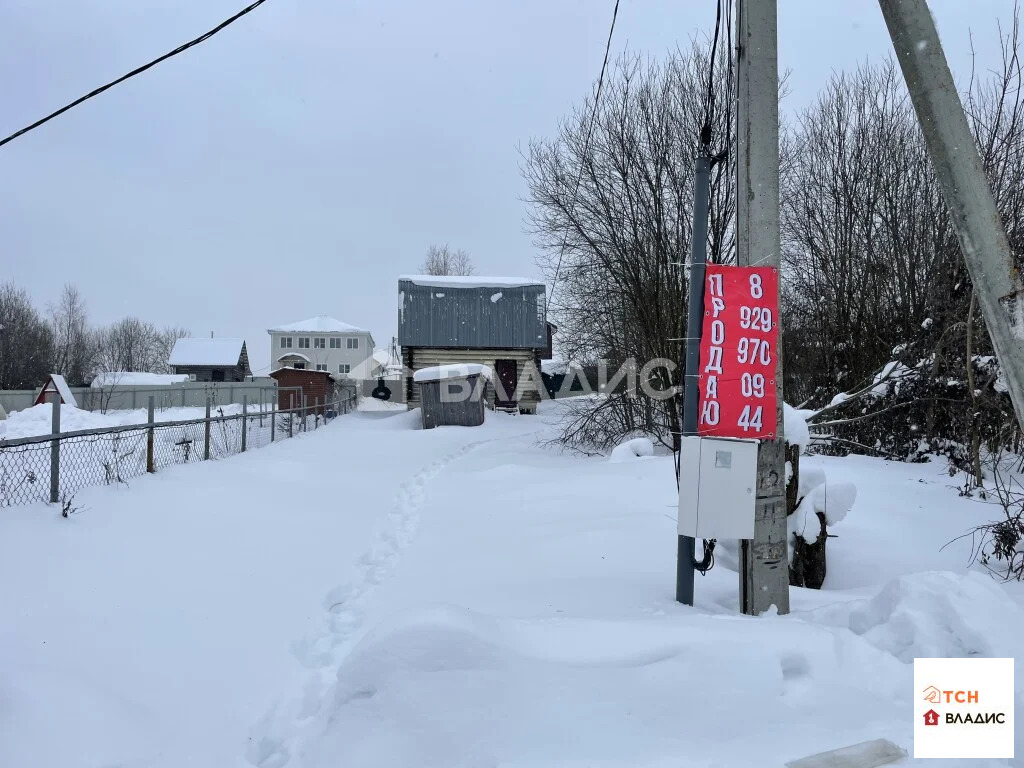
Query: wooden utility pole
{"points": [[958, 166], [764, 562]]}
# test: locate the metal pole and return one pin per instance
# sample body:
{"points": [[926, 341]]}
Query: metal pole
{"points": [[686, 546], [206, 430], [273, 419], [291, 417], [150, 414], [55, 449], [958, 166], [245, 420], [182, 395], [304, 412], [764, 564], [316, 412]]}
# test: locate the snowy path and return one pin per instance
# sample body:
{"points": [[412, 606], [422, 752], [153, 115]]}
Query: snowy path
{"points": [[345, 609]]}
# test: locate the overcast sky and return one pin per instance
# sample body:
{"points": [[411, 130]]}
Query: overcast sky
{"points": [[299, 161]]}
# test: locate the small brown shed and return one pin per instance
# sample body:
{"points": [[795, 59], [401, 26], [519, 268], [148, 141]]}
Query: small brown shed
{"points": [[452, 395], [317, 386]]}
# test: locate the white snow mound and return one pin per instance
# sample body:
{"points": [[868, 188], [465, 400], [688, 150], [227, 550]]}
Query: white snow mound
{"points": [[940, 615], [795, 427], [637, 448]]}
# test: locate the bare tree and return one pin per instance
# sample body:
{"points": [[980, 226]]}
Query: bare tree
{"points": [[163, 345], [442, 260], [73, 342], [614, 245], [874, 271], [26, 341], [127, 345]]}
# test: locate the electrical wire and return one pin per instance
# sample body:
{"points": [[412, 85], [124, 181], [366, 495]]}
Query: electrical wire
{"points": [[180, 49], [709, 102], [586, 143]]}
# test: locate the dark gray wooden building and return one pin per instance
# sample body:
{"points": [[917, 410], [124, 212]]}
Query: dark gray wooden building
{"points": [[500, 322], [211, 359]]}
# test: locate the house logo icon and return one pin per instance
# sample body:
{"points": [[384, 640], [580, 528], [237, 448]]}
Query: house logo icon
{"points": [[932, 695], [931, 717]]}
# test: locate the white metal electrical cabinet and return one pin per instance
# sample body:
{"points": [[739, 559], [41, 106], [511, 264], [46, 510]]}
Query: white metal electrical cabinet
{"points": [[717, 483]]}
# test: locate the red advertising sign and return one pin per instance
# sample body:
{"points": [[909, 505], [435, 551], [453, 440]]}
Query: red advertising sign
{"points": [[738, 351]]}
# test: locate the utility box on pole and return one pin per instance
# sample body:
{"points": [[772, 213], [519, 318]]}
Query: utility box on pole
{"points": [[717, 488]]}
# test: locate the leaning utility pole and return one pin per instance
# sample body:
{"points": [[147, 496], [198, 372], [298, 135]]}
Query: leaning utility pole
{"points": [[764, 561], [958, 167]]}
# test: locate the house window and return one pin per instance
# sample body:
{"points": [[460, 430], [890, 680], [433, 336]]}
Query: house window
{"points": [[299, 366], [344, 368], [352, 343], [335, 342], [319, 343], [303, 342], [321, 366], [286, 342]]}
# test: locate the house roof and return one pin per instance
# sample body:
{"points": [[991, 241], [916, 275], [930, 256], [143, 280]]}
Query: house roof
{"points": [[301, 370], [471, 281], [451, 371], [203, 351], [61, 387], [318, 324]]}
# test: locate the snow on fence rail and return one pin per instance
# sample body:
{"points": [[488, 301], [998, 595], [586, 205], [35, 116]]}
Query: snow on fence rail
{"points": [[125, 397], [54, 468]]}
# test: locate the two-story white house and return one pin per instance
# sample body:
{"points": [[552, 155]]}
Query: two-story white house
{"points": [[323, 343]]}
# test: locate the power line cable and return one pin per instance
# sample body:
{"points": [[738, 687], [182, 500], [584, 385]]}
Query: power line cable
{"points": [[180, 49], [709, 102], [586, 143]]}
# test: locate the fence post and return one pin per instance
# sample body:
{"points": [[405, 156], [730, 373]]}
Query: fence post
{"points": [[291, 417], [245, 420], [55, 450], [316, 412], [206, 447], [134, 406], [231, 394], [305, 413], [150, 458], [273, 420], [183, 396]]}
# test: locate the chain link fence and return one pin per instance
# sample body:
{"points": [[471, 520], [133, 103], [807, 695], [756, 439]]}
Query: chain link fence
{"points": [[53, 468]]}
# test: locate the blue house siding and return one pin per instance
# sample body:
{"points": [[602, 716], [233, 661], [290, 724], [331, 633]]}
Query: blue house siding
{"points": [[472, 317]]}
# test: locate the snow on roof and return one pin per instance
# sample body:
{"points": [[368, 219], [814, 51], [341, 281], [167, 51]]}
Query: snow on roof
{"points": [[318, 324], [301, 370], [470, 281], [62, 387], [382, 356], [203, 351], [136, 379], [451, 371]]}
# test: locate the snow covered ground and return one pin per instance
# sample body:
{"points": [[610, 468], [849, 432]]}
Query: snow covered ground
{"points": [[379, 596]]}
